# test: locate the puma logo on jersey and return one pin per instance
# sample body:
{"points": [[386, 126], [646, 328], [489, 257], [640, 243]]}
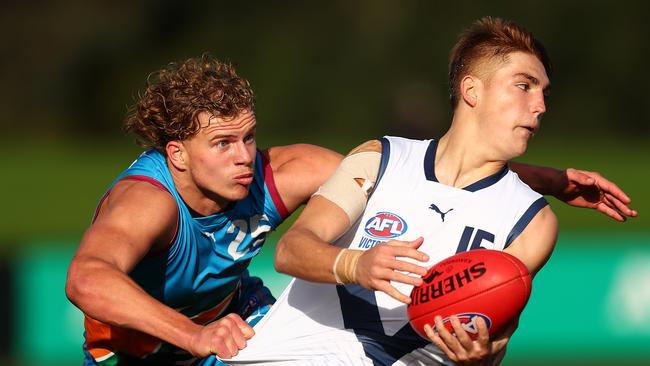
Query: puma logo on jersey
{"points": [[436, 209]]}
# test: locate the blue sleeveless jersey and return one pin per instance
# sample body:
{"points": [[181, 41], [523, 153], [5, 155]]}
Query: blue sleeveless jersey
{"points": [[202, 271]]}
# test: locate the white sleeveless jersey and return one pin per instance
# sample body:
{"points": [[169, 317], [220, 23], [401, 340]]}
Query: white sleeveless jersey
{"points": [[325, 324]]}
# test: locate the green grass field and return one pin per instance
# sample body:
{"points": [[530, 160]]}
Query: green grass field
{"points": [[52, 187]]}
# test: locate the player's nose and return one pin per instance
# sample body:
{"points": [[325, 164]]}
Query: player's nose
{"points": [[243, 154], [538, 105]]}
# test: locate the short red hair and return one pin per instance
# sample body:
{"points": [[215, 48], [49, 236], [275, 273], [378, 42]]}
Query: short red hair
{"points": [[488, 40]]}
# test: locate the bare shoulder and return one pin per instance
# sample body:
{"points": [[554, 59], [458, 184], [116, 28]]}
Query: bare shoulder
{"points": [[301, 156], [135, 218], [368, 146], [298, 170], [536, 243], [546, 221], [134, 197], [305, 155]]}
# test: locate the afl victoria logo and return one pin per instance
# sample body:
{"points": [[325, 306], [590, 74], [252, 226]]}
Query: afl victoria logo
{"points": [[385, 225]]}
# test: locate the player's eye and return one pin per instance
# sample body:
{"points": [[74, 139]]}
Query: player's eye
{"points": [[222, 144], [249, 138], [523, 86]]}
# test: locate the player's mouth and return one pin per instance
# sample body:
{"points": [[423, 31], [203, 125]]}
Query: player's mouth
{"points": [[244, 179], [531, 129]]}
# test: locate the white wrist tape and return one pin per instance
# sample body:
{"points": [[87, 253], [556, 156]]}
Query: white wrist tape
{"points": [[345, 266]]}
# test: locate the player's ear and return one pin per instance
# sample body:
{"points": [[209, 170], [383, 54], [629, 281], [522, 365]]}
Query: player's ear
{"points": [[469, 89], [176, 154]]}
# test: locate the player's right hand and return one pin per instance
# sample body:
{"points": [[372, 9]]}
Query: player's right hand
{"points": [[380, 265], [223, 337], [458, 345], [461, 349]]}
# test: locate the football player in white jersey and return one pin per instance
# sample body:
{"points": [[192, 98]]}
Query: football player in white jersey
{"points": [[395, 207]]}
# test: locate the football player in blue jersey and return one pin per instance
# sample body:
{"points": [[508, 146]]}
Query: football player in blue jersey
{"points": [[161, 273]]}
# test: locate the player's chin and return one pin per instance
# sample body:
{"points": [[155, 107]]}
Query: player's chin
{"points": [[522, 149], [239, 192], [519, 147]]}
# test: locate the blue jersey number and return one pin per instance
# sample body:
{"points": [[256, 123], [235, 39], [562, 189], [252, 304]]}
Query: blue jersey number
{"points": [[463, 245]]}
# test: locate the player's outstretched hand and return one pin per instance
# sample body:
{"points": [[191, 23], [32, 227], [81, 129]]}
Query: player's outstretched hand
{"points": [[381, 264], [581, 188], [224, 337]]}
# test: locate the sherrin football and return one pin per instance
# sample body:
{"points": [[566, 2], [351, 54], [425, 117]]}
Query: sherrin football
{"points": [[483, 283]]}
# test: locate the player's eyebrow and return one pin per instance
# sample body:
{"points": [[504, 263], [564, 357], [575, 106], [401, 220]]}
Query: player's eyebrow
{"points": [[535, 81], [231, 135], [531, 78], [218, 136]]}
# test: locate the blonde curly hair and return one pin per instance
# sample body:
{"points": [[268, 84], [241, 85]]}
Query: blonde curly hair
{"points": [[175, 95]]}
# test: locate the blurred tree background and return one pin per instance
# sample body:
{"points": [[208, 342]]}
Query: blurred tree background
{"points": [[333, 73]]}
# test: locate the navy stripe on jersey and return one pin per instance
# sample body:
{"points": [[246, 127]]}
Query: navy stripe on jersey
{"points": [[430, 170], [360, 314], [488, 181], [525, 220], [430, 161], [383, 163]]}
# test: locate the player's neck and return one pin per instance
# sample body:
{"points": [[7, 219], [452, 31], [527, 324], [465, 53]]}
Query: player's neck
{"points": [[463, 159], [194, 198]]}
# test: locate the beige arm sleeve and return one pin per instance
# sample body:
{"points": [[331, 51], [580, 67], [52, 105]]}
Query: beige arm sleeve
{"points": [[351, 183]]}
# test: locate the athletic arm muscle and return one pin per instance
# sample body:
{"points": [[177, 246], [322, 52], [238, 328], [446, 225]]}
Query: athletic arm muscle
{"points": [[134, 219], [304, 251], [298, 171], [535, 244], [578, 188]]}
